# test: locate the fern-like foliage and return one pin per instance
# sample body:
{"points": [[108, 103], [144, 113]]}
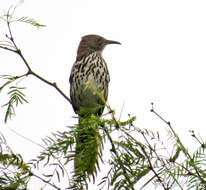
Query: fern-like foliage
{"points": [[88, 146], [10, 18], [31, 21], [9, 79], [130, 166], [16, 97], [14, 172], [58, 152], [82, 146], [15, 94]]}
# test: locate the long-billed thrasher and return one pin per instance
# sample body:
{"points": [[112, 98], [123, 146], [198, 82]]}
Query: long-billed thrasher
{"points": [[89, 80]]}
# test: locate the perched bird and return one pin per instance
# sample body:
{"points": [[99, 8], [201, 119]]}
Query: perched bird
{"points": [[89, 80]]}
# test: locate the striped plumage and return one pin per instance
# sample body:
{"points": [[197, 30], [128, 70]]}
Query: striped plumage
{"points": [[91, 68], [94, 69]]}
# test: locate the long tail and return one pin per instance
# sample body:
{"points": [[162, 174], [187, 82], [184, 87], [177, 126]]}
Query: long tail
{"points": [[88, 146]]}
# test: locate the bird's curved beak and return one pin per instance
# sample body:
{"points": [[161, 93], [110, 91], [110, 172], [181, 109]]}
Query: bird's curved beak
{"points": [[111, 42]]}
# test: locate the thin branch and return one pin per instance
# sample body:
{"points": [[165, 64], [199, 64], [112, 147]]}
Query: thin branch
{"points": [[53, 84], [30, 72], [113, 116], [6, 48], [120, 115], [119, 159], [20, 135], [180, 143], [148, 158], [45, 181], [10, 80]]}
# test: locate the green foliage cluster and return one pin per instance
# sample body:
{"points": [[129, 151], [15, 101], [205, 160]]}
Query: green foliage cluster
{"points": [[15, 94], [88, 145], [16, 97], [14, 172]]}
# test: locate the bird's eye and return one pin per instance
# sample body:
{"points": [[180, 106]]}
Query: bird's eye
{"points": [[99, 41]]}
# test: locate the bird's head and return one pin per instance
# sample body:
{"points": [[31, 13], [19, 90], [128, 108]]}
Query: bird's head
{"points": [[92, 43]]}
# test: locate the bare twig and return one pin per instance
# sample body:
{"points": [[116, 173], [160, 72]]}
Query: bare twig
{"points": [[6, 48], [18, 52], [45, 181]]}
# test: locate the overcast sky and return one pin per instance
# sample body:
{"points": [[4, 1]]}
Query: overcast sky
{"points": [[162, 60]]}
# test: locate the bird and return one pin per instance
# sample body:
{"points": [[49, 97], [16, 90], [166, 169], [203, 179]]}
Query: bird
{"points": [[89, 83]]}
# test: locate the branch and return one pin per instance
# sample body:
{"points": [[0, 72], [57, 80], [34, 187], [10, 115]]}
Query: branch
{"points": [[148, 158], [53, 84], [45, 181], [119, 159], [183, 148], [30, 71], [6, 48]]}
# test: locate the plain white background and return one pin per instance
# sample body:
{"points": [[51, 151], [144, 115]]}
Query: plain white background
{"points": [[161, 60]]}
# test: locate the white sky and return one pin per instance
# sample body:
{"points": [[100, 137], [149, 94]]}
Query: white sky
{"points": [[161, 60]]}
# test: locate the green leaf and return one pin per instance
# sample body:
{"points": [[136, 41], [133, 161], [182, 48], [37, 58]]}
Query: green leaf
{"points": [[16, 97], [30, 21]]}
